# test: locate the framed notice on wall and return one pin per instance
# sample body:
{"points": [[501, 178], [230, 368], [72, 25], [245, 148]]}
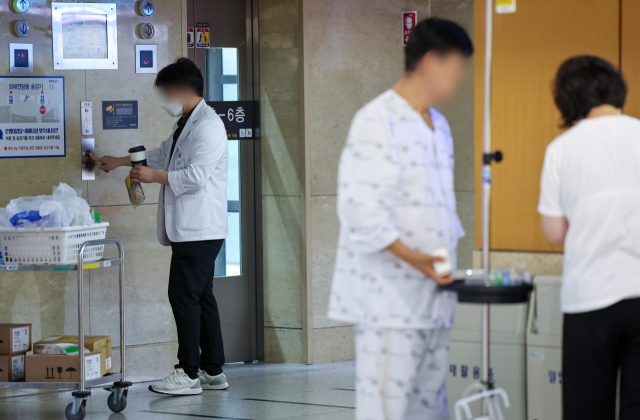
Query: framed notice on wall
{"points": [[85, 36], [32, 117]]}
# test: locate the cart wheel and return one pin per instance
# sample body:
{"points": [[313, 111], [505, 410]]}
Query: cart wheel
{"points": [[78, 416], [121, 405]]}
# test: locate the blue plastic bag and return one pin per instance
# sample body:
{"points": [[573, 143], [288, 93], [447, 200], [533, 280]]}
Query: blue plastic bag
{"points": [[25, 217]]}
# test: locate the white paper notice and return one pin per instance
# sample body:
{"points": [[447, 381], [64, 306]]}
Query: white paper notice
{"points": [[32, 123], [17, 367], [92, 367], [20, 339]]}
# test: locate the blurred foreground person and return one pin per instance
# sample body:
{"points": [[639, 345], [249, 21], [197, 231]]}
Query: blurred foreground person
{"points": [[397, 205], [590, 201]]}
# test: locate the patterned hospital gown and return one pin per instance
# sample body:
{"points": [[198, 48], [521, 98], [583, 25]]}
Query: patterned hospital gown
{"points": [[395, 181]]}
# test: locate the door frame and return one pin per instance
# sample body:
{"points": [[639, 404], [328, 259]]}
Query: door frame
{"points": [[251, 168]]}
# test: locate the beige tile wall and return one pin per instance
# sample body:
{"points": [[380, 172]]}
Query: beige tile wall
{"points": [[281, 180], [352, 53], [48, 300]]}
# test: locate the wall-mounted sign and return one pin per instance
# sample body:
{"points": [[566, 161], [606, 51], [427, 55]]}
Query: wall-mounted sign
{"points": [[505, 6], [85, 36], [119, 115], [21, 28], [86, 118], [146, 7], [409, 21], [202, 35], [237, 117], [32, 117], [21, 6], [21, 58], [146, 31], [190, 36]]}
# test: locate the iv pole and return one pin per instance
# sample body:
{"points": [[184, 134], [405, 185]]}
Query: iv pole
{"points": [[485, 389], [487, 159]]}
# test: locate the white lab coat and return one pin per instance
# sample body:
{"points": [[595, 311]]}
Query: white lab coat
{"points": [[194, 206], [395, 182]]}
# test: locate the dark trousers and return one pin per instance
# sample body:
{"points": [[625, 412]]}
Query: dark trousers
{"points": [[195, 308], [596, 345]]}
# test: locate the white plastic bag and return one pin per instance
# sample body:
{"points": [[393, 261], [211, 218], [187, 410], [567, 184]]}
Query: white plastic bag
{"points": [[53, 214], [4, 218], [78, 210], [24, 211], [64, 208]]}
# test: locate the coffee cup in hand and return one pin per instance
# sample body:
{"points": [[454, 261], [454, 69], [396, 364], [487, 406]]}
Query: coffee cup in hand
{"points": [[138, 156]]}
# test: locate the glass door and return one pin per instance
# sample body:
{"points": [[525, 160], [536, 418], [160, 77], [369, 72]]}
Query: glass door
{"points": [[222, 70], [229, 65]]}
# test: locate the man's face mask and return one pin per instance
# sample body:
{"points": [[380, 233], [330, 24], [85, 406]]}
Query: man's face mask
{"points": [[173, 100], [173, 107]]}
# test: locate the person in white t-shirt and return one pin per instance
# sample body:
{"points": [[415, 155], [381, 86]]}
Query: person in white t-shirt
{"points": [[590, 201], [397, 205]]}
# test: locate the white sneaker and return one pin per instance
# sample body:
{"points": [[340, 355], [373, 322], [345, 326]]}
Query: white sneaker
{"points": [[177, 383], [212, 382]]}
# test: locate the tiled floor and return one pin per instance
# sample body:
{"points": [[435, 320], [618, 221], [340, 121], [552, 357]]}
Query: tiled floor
{"points": [[257, 392]]}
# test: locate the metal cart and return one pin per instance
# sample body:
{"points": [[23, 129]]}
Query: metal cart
{"points": [[117, 400]]}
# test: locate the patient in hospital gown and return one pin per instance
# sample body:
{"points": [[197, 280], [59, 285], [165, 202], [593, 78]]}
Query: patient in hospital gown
{"points": [[395, 189]]}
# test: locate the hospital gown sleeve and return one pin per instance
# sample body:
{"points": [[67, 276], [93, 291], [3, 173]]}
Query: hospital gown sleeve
{"points": [[550, 204], [368, 177]]}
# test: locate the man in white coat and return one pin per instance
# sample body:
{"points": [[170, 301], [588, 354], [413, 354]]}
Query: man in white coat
{"points": [[191, 166], [396, 205]]}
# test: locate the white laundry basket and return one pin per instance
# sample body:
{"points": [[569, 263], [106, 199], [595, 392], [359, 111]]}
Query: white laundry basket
{"points": [[55, 246]]}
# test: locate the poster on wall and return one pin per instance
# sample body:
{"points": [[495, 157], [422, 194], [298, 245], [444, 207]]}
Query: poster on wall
{"points": [[202, 35], [190, 36], [505, 6], [409, 21], [117, 115], [32, 117]]}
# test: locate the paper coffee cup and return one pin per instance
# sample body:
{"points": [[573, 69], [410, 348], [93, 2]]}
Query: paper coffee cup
{"points": [[138, 156]]}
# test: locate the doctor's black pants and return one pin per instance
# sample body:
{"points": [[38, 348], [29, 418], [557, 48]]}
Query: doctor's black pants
{"points": [[195, 308], [596, 345]]}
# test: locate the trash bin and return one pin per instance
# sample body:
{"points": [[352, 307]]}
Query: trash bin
{"points": [[508, 352], [544, 350]]}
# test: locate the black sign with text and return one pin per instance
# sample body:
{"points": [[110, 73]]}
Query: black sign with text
{"points": [[238, 118], [119, 115]]}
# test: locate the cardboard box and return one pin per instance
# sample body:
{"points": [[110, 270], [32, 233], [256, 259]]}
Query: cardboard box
{"points": [[93, 343], [61, 368], [15, 338], [12, 368]]}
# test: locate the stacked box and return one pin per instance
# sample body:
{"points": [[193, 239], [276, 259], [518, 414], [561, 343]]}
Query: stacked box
{"points": [[61, 368], [94, 343], [15, 342]]}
